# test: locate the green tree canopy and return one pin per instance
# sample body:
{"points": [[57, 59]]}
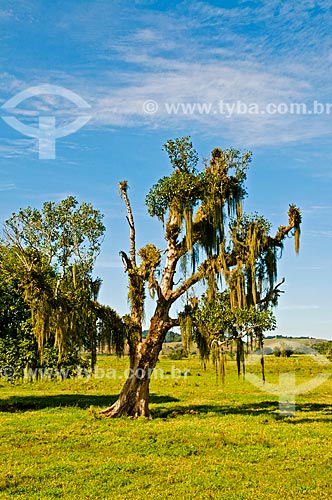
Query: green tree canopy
{"points": [[52, 252], [209, 240]]}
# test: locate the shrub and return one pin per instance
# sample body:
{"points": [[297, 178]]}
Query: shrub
{"points": [[180, 353], [283, 351]]}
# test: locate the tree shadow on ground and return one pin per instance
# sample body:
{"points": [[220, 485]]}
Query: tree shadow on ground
{"points": [[305, 412], [30, 403], [264, 408]]}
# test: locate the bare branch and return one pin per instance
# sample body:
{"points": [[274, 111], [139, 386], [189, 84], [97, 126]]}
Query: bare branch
{"points": [[171, 322], [271, 292], [123, 189], [127, 264], [192, 280]]}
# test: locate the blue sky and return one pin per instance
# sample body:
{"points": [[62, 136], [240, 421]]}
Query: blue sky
{"points": [[117, 56]]}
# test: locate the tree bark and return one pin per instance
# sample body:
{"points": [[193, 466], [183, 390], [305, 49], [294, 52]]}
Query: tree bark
{"points": [[133, 400], [134, 397]]}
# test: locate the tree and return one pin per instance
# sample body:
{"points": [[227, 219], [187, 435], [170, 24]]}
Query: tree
{"points": [[18, 347], [52, 256], [207, 238], [217, 326]]}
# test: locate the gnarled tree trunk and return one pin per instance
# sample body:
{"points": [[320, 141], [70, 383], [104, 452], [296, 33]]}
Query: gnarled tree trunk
{"points": [[133, 400], [134, 397]]}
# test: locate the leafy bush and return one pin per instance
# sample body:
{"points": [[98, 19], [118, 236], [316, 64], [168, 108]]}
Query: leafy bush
{"points": [[173, 337], [287, 352], [283, 351], [277, 351], [180, 353], [324, 348]]}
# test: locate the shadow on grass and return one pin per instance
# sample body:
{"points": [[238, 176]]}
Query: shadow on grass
{"points": [[28, 403], [320, 411], [305, 412]]}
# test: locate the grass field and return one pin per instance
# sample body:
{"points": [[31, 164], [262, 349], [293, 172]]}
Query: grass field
{"points": [[206, 440]]}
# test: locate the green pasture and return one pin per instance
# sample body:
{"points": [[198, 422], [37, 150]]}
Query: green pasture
{"points": [[206, 440]]}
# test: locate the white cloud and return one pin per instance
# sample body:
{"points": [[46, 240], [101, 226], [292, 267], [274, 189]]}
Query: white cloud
{"points": [[172, 82], [321, 207], [227, 63], [7, 187], [9, 83], [200, 53], [13, 148], [323, 233], [299, 307], [5, 14]]}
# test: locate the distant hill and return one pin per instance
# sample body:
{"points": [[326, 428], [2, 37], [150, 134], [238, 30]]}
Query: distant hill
{"points": [[297, 344], [271, 340], [285, 337]]}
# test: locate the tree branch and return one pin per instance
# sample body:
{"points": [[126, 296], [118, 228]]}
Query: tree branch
{"points": [[172, 256], [192, 280], [271, 292], [123, 189], [154, 285], [127, 264], [171, 322]]}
